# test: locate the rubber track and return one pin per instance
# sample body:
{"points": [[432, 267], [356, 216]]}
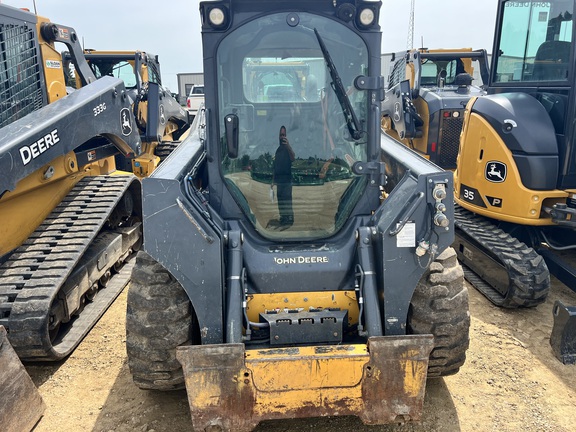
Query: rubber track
{"points": [[35, 272], [164, 149], [529, 278]]}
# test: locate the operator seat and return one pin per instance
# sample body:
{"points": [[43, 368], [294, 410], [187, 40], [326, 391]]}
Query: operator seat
{"points": [[551, 61]]}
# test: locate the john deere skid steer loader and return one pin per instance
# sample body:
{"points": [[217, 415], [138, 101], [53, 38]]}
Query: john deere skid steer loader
{"points": [[296, 261]]}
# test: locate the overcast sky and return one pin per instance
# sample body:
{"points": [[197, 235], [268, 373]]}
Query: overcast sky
{"points": [[171, 28]]}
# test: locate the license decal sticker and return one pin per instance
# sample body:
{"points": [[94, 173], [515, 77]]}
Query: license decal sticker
{"points": [[53, 64]]}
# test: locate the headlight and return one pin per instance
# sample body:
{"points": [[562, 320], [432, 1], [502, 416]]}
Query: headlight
{"points": [[367, 17], [217, 17]]}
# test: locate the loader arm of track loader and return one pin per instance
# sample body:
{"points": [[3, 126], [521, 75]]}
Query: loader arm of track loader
{"points": [[398, 106], [67, 35], [161, 108], [60, 127]]}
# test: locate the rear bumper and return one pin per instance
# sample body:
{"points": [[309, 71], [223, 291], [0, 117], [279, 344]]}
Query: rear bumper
{"points": [[234, 388]]}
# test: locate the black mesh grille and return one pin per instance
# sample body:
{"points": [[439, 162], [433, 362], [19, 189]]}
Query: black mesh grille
{"points": [[21, 91], [449, 140], [398, 73]]}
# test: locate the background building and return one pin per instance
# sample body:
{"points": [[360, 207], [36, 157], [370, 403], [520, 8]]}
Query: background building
{"points": [[185, 83]]}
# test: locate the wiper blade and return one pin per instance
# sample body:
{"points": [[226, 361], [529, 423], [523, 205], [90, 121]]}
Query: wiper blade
{"points": [[347, 109]]}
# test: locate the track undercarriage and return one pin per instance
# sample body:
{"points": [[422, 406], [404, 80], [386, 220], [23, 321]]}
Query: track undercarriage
{"points": [[508, 272], [58, 283]]}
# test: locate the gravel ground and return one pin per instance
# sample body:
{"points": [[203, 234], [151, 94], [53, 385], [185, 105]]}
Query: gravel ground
{"points": [[511, 382]]}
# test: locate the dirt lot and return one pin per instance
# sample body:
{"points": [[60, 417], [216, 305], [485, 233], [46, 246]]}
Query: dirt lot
{"points": [[510, 382]]}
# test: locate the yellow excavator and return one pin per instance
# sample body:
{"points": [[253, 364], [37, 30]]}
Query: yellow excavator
{"points": [[515, 177]]}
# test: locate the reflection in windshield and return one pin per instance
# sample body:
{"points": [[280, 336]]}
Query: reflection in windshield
{"points": [[282, 80], [293, 175]]}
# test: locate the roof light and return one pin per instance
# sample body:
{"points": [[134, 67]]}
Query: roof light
{"points": [[367, 17], [217, 17]]}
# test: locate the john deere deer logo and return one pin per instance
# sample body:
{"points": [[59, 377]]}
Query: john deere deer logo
{"points": [[397, 109], [125, 122], [495, 172]]}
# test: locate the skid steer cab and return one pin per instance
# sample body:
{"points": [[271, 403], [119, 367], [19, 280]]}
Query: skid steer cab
{"points": [[426, 96], [296, 261], [162, 122]]}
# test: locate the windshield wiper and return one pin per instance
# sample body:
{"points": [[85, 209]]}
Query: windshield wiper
{"points": [[347, 109]]}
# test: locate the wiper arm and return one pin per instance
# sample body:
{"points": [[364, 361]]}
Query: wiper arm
{"points": [[347, 109]]}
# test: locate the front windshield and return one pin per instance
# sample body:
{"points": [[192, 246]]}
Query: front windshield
{"points": [[535, 43], [431, 69], [117, 68], [292, 176]]}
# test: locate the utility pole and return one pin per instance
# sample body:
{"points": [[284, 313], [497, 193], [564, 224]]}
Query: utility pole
{"points": [[410, 43]]}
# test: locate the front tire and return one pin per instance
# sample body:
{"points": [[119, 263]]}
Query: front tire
{"points": [[439, 307], [159, 318]]}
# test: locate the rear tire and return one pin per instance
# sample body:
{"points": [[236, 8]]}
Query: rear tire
{"points": [[159, 318], [440, 306]]}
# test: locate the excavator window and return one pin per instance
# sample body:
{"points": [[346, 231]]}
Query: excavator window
{"points": [[536, 42]]}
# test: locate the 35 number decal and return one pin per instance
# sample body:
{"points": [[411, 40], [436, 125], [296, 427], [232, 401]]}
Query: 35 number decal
{"points": [[469, 195], [99, 109], [472, 196]]}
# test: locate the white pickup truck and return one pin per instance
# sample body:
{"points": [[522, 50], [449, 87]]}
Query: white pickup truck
{"points": [[195, 99]]}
